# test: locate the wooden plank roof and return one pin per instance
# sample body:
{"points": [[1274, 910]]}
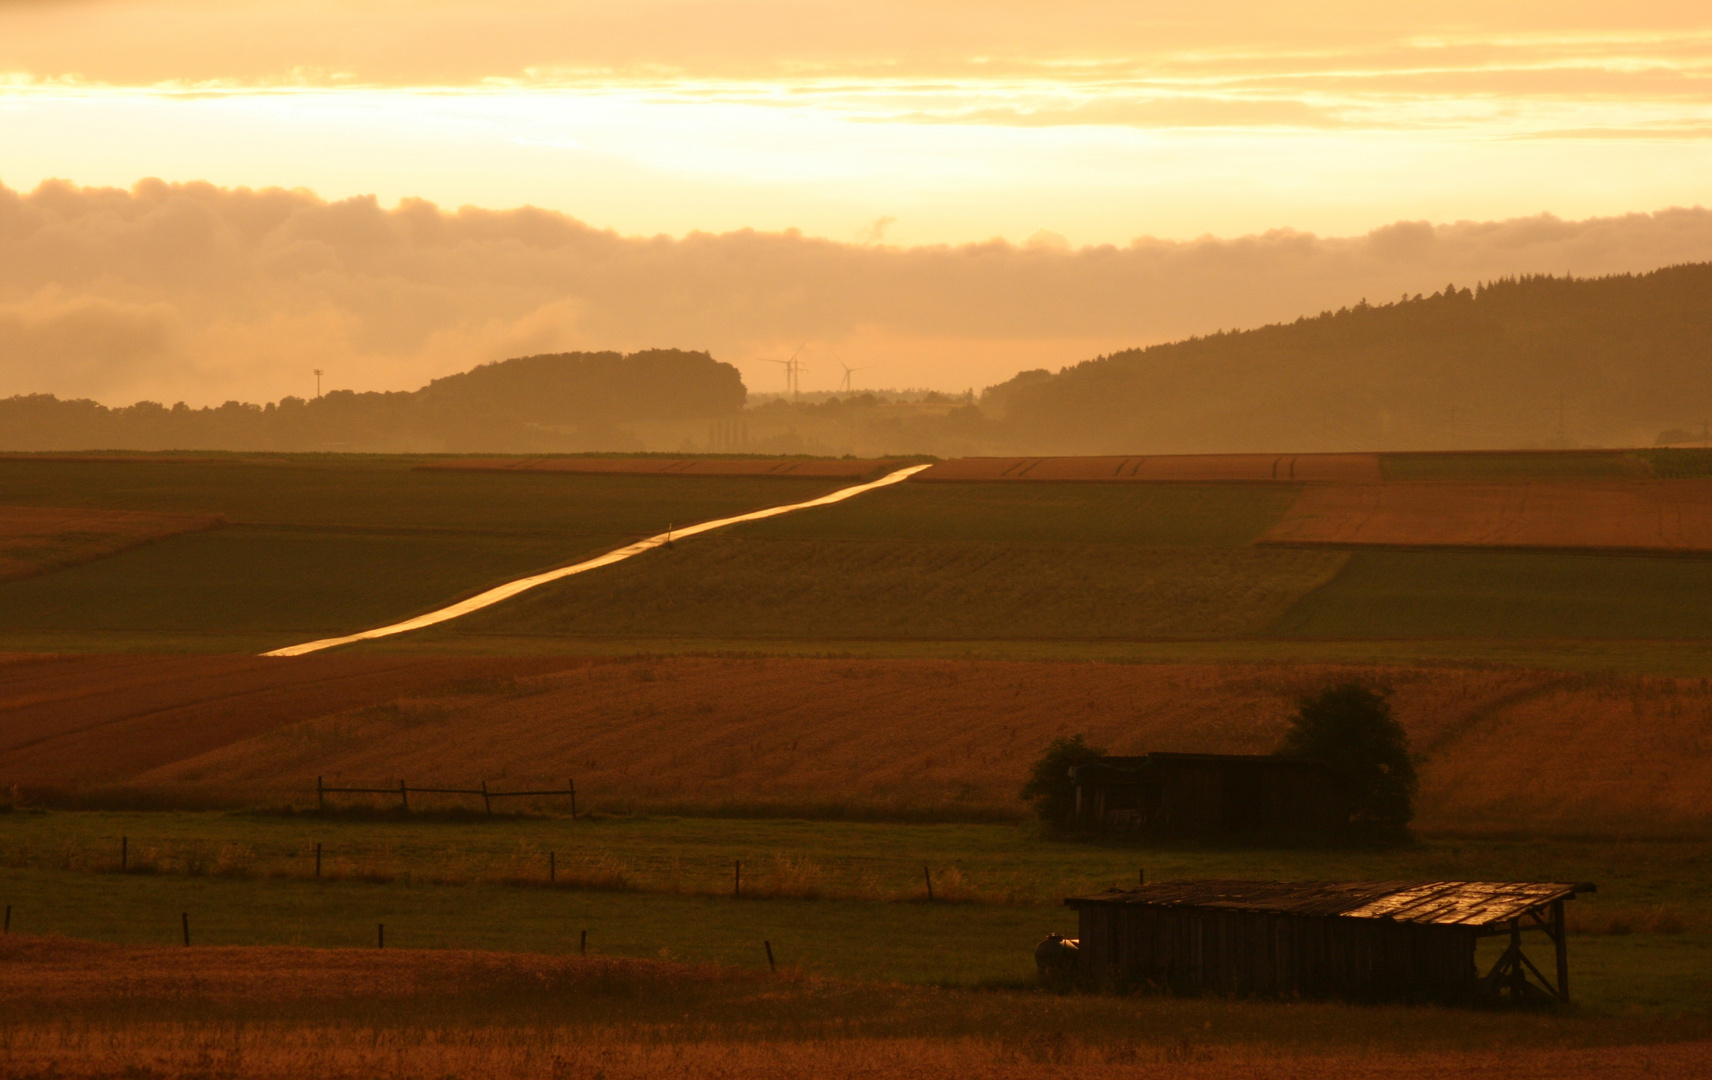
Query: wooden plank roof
{"points": [[1442, 903]]}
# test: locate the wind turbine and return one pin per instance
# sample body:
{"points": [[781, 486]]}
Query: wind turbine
{"points": [[845, 387], [793, 372]]}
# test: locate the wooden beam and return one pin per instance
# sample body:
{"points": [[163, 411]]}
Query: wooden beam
{"points": [[1561, 940]]}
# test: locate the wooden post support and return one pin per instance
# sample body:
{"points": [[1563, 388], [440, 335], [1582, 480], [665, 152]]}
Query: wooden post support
{"points": [[573, 790], [737, 879], [404, 796], [487, 803], [1562, 942], [552, 869], [184, 918], [317, 858], [583, 946], [124, 853], [770, 965], [320, 794], [928, 876], [1141, 876], [380, 935], [8, 928]]}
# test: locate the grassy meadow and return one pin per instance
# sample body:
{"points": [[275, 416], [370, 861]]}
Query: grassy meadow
{"points": [[844, 900]]}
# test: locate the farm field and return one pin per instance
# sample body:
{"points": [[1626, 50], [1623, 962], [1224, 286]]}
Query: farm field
{"points": [[899, 739], [1289, 468], [1663, 516], [318, 545], [295, 1012], [37, 539], [661, 465]]}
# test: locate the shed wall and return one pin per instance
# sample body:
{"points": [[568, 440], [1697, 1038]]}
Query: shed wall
{"points": [[1198, 950]]}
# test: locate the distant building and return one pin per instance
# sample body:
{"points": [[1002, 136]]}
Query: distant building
{"points": [[1353, 939], [1211, 796]]}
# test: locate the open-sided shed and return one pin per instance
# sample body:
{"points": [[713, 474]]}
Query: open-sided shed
{"points": [[1356, 939]]}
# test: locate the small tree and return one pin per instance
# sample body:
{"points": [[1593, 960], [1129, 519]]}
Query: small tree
{"points": [[1049, 786], [1351, 729]]}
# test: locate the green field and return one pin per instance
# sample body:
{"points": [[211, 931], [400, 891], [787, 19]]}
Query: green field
{"points": [[320, 545], [1466, 594], [481, 884]]}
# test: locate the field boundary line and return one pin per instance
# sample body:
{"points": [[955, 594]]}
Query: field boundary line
{"points": [[512, 588]]}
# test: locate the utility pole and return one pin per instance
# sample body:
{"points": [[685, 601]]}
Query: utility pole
{"points": [[317, 382]]}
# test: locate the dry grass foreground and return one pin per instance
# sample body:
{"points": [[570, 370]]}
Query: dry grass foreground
{"points": [[36, 539], [1289, 468], [83, 1010], [820, 468], [1506, 750], [1633, 515]]}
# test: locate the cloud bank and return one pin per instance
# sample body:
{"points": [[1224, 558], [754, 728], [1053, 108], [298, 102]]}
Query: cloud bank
{"points": [[199, 293]]}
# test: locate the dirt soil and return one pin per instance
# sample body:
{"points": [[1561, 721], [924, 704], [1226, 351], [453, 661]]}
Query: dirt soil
{"points": [[1601, 755], [1298, 468], [1672, 516], [37, 539]]}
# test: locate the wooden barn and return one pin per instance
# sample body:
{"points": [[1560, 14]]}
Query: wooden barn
{"points": [[1352, 939], [1211, 795]]}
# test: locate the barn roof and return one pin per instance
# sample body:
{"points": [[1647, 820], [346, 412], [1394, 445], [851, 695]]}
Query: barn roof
{"points": [[1441, 903]]}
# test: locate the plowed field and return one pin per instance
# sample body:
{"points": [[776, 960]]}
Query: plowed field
{"points": [[1640, 515], [70, 720], [818, 468], [1299, 468], [926, 738], [83, 1010], [36, 539]]}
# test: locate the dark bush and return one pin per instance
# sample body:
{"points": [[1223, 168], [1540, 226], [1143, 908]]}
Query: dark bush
{"points": [[1049, 787], [1350, 728]]}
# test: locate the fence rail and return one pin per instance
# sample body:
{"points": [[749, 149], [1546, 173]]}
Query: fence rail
{"points": [[403, 791]]}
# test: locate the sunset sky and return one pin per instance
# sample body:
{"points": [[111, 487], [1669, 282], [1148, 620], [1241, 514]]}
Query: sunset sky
{"points": [[878, 126]]}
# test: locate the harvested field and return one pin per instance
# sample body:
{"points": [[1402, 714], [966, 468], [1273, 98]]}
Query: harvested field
{"points": [[37, 539], [78, 720], [99, 1011], [1670, 516], [816, 468], [945, 739], [1531, 464], [737, 589], [1290, 468]]}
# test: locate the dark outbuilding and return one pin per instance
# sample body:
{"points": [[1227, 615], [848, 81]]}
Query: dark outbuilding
{"points": [[1211, 796], [1354, 939]]}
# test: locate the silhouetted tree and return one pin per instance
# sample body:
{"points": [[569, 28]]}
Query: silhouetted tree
{"points": [[1049, 787], [1351, 728]]}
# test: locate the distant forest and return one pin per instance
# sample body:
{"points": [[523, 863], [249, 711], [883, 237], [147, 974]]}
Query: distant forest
{"points": [[1515, 363], [1528, 362], [533, 404]]}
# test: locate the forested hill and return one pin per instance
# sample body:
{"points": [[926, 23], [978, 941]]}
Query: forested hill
{"points": [[1537, 361], [555, 402]]}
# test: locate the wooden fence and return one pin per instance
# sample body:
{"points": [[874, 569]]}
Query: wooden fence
{"points": [[403, 791]]}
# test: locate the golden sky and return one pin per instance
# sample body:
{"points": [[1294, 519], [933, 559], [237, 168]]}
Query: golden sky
{"points": [[876, 124]]}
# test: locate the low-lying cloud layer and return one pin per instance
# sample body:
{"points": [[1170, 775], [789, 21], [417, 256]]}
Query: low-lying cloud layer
{"points": [[200, 293]]}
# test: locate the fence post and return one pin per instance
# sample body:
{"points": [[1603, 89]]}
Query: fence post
{"points": [[8, 927], [487, 804], [770, 965], [404, 796], [573, 785], [582, 948], [124, 853], [928, 875], [380, 935], [552, 869], [184, 917], [317, 858], [320, 795], [737, 879]]}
